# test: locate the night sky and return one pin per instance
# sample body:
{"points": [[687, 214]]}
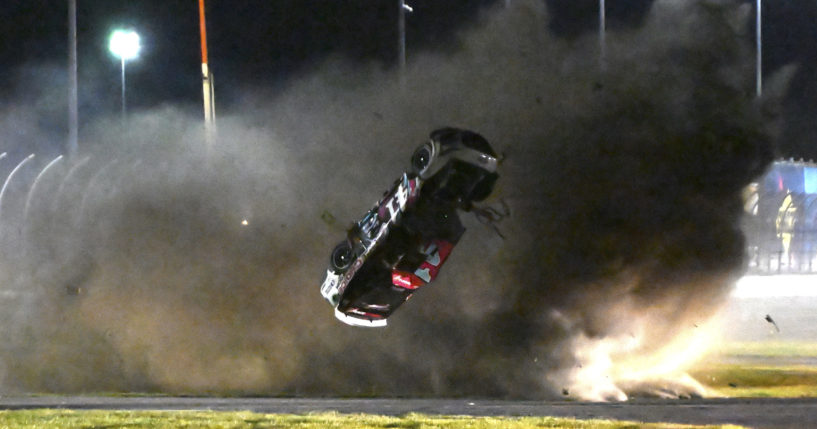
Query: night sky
{"points": [[266, 43]]}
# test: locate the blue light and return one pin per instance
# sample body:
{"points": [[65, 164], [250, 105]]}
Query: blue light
{"points": [[810, 178]]}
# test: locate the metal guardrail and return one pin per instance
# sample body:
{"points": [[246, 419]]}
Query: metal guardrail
{"points": [[762, 262]]}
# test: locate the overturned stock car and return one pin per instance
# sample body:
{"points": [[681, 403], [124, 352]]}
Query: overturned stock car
{"points": [[400, 244]]}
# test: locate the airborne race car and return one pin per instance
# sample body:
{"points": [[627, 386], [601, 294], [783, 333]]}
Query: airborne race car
{"points": [[401, 243]]}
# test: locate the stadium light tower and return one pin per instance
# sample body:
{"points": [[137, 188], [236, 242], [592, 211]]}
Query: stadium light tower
{"points": [[125, 45]]}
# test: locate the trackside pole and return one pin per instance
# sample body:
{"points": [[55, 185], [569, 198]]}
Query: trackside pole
{"points": [[207, 84], [602, 36], [759, 55], [72, 79]]}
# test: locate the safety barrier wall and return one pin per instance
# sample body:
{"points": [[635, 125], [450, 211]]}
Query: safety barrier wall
{"points": [[762, 262]]}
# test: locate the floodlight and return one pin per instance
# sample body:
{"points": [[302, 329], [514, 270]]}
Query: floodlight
{"points": [[124, 44]]}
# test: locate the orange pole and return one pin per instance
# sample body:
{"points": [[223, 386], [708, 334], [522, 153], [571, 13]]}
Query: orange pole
{"points": [[203, 31], [207, 82]]}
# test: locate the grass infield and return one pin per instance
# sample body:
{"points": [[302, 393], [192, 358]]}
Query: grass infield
{"points": [[762, 369], [224, 420]]}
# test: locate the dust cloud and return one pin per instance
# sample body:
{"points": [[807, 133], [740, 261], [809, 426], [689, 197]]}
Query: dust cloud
{"points": [[133, 270]]}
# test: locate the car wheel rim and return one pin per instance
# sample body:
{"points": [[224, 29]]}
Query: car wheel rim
{"points": [[342, 256], [421, 158]]}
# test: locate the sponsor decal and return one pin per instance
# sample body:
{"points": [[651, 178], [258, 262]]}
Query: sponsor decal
{"points": [[437, 252], [406, 280]]}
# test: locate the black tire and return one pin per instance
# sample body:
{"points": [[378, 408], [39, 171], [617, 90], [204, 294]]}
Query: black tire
{"points": [[342, 256], [422, 158], [475, 141], [455, 136]]}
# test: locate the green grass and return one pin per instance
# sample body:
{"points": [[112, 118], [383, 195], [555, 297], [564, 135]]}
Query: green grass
{"points": [[770, 349], [760, 369], [736, 380], [223, 420]]}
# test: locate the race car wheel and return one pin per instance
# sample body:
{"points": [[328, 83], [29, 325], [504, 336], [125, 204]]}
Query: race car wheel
{"points": [[342, 256], [423, 157]]}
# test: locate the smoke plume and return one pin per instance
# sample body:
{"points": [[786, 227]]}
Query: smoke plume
{"points": [[136, 271]]}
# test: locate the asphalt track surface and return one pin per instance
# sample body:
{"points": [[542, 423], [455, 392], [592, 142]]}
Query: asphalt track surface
{"points": [[756, 413]]}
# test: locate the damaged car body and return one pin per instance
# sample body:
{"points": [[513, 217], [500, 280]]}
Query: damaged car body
{"points": [[399, 245]]}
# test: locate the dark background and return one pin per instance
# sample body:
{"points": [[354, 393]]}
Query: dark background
{"points": [[266, 43]]}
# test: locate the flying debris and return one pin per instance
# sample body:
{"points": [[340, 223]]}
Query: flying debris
{"points": [[400, 244], [770, 320]]}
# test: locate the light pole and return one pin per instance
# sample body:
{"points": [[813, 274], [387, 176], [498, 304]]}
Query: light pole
{"points": [[125, 45], [759, 59], [602, 31], [72, 79], [206, 76]]}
